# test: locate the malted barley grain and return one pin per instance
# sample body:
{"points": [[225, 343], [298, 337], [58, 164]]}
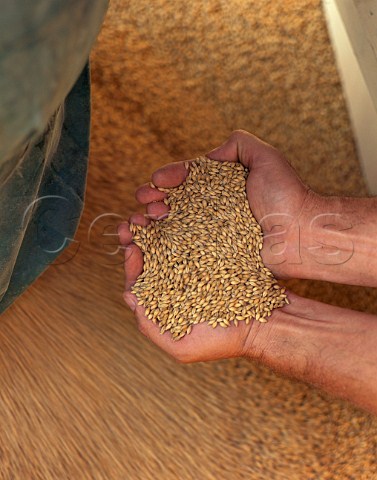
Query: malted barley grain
{"points": [[202, 262]]}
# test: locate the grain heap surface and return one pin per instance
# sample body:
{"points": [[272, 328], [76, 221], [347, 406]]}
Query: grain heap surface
{"points": [[202, 262]]}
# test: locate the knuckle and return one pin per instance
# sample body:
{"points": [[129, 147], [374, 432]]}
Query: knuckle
{"points": [[239, 133]]}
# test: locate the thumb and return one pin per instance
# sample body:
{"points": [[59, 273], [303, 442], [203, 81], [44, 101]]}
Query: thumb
{"points": [[242, 147], [227, 152]]}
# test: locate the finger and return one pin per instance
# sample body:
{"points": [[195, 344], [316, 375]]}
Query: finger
{"points": [[157, 211], [243, 147], [146, 194], [171, 175], [124, 231], [139, 219], [133, 265], [125, 234]]}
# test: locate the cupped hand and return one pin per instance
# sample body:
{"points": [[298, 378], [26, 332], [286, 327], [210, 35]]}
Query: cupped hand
{"points": [[276, 197], [204, 343]]}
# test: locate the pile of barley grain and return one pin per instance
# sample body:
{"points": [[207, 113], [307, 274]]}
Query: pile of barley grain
{"points": [[202, 263]]}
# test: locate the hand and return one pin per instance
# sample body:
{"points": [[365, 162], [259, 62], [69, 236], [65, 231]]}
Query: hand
{"points": [[277, 198], [263, 159], [306, 235], [203, 343], [329, 347]]}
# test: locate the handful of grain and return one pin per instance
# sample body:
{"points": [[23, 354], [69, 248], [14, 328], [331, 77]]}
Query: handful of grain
{"points": [[202, 262]]}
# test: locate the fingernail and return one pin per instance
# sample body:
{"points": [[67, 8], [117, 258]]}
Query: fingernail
{"points": [[129, 299]]}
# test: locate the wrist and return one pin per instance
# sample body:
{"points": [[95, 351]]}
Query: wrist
{"points": [[282, 343], [316, 242], [334, 239], [325, 346], [288, 247], [338, 240]]}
